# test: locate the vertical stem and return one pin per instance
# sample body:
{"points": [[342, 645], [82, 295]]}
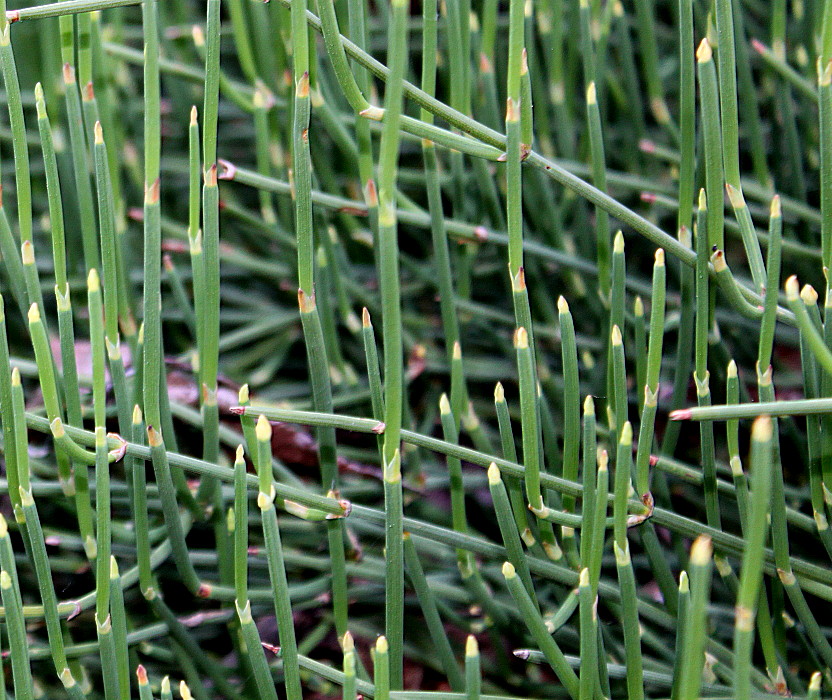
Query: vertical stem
{"points": [[648, 47], [752, 563], [825, 121], [528, 408], [514, 178], [681, 657], [381, 668], [80, 162], [699, 571], [473, 675], [18, 645], [450, 323], [630, 621], [212, 83], [394, 569], [654, 363], [826, 33], [348, 688], [240, 528], [140, 508], [300, 155], [726, 57], [508, 529], [514, 485], [152, 355], [53, 188], [709, 100], [23, 181], [277, 569], [10, 252], [702, 233], [589, 637], [7, 411], [537, 627], [687, 121], [102, 467], [392, 331], [767, 324], [119, 619], [210, 324], [430, 611], [37, 549], [599, 179], [571, 399], [107, 224]]}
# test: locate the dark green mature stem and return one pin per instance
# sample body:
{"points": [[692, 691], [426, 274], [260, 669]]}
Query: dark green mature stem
{"points": [[56, 215], [102, 467], [825, 121], [212, 78], [537, 627], [300, 153], [752, 565], [170, 509], [109, 245], [319, 369], [513, 156], [21, 671], [209, 323], [450, 323], [277, 569], [713, 156], [322, 400], [80, 165], [599, 179], [726, 58], [432, 619], [687, 121], [152, 228], [37, 547], [210, 326], [392, 332], [23, 181], [654, 360], [699, 571]]}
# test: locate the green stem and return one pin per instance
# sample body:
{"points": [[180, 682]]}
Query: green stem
{"points": [[752, 564], [23, 182], [699, 571], [433, 621], [537, 627], [709, 101]]}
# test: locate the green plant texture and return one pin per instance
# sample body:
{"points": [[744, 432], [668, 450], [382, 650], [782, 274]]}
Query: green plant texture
{"points": [[435, 350]]}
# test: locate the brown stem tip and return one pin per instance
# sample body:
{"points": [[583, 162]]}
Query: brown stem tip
{"points": [[758, 46], [228, 171], [76, 611], [118, 453]]}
